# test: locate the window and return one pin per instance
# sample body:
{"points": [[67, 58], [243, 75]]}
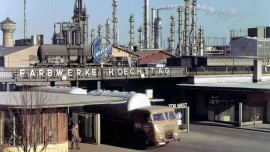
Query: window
{"points": [[170, 115], [158, 117]]}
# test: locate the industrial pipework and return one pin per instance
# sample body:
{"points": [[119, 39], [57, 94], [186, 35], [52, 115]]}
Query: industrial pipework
{"points": [[115, 24], [80, 18], [75, 32]]}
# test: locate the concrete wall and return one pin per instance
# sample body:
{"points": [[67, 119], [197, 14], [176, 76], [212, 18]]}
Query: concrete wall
{"points": [[23, 58]]}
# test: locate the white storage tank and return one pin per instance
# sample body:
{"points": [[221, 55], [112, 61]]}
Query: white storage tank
{"points": [[134, 100]]}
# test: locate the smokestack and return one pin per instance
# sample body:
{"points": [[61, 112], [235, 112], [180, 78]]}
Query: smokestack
{"points": [[25, 21], [115, 24], [186, 41], [158, 33], [131, 32], [146, 24], [194, 27], [180, 32]]}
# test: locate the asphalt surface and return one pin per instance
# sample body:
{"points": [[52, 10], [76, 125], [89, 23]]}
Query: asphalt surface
{"points": [[205, 137]]}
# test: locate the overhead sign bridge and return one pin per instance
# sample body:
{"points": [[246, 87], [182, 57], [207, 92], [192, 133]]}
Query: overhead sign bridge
{"points": [[82, 74]]}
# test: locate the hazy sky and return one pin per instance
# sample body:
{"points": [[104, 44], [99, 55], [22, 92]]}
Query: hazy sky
{"points": [[217, 16]]}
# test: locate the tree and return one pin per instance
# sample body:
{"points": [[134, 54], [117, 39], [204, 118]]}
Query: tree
{"points": [[33, 121]]}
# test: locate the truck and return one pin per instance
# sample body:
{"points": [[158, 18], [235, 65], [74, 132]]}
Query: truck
{"points": [[136, 120]]}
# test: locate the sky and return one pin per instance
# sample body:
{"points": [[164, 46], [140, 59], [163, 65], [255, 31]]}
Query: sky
{"points": [[217, 17]]}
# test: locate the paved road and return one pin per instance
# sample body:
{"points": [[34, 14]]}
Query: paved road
{"points": [[203, 138]]}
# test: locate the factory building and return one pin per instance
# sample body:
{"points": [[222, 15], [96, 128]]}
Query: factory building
{"points": [[254, 42], [19, 56], [248, 46]]}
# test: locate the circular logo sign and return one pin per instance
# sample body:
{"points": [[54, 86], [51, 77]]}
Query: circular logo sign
{"points": [[101, 50]]}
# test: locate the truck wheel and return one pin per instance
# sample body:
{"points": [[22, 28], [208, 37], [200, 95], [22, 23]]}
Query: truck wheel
{"points": [[140, 141]]}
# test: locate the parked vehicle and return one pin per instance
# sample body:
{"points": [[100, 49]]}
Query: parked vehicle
{"points": [[136, 120]]}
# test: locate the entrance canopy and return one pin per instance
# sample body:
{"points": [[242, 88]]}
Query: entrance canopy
{"points": [[15, 99], [234, 86]]}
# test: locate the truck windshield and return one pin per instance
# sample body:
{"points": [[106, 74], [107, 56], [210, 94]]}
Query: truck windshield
{"points": [[158, 117], [170, 115]]}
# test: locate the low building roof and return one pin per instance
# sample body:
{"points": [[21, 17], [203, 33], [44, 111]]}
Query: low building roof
{"points": [[233, 86], [14, 99], [145, 53], [9, 50]]}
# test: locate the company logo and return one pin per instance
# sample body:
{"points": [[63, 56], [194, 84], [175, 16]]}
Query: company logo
{"points": [[101, 50]]}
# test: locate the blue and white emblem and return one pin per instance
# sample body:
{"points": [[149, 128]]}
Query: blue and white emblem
{"points": [[101, 50]]}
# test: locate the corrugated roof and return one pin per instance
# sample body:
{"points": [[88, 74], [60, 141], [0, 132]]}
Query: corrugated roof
{"points": [[55, 99], [8, 21]]}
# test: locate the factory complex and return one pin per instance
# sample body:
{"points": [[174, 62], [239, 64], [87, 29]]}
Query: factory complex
{"points": [[218, 82]]}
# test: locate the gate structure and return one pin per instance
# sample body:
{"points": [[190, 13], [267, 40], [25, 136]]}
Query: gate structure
{"points": [[89, 126], [182, 116]]}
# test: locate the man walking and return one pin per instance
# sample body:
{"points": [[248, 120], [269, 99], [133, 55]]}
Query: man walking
{"points": [[75, 136]]}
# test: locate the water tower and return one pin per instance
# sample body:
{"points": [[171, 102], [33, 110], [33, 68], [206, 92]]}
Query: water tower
{"points": [[8, 27]]}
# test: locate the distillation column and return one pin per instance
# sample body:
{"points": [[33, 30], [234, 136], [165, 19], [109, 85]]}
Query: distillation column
{"points": [[108, 30], [194, 28], [180, 31], [115, 24], [99, 31], [92, 35], [131, 32], [186, 40], [201, 41], [141, 43], [171, 39], [146, 24], [152, 32]]}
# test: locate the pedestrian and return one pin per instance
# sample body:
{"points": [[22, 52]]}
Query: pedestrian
{"points": [[75, 136]]}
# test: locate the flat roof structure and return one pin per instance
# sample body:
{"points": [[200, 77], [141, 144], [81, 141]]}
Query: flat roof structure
{"points": [[56, 99], [226, 86]]}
